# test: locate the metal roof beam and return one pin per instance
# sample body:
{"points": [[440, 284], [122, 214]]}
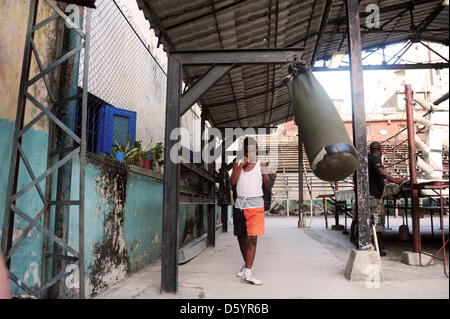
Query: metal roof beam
{"points": [[426, 22], [437, 53], [415, 66], [241, 56], [387, 9], [273, 67], [214, 11], [201, 86], [323, 24]]}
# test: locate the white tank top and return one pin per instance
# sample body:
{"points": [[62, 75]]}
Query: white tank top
{"points": [[249, 184]]}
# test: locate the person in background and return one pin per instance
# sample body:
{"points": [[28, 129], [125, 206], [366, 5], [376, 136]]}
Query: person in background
{"points": [[248, 175], [377, 177], [4, 281]]}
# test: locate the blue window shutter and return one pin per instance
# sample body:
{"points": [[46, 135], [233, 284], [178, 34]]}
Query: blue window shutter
{"points": [[106, 134]]}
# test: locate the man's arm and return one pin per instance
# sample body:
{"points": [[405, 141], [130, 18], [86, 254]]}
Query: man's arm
{"points": [[268, 179], [386, 175], [237, 168]]}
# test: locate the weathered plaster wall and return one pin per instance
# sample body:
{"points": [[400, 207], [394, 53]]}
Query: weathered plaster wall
{"points": [[26, 261], [123, 222], [14, 17]]}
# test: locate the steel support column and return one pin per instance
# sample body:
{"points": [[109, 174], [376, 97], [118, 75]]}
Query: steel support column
{"points": [[301, 221], [412, 168], [18, 152], [224, 208], [169, 258], [212, 207], [359, 123], [68, 87], [8, 218]]}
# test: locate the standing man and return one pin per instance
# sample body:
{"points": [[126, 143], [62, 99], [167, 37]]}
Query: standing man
{"points": [[248, 212], [377, 176]]}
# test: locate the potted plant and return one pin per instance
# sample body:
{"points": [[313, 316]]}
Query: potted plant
{"points": [[147, 157], [125, 153], [140, 155], [118, 152], [156, 155]]}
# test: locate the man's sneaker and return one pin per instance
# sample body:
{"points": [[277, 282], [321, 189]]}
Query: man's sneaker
{"points": [[251, 280], [241, 272]]}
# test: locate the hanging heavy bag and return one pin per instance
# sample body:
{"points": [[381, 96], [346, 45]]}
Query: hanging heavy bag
{"points": [[327, 144]]}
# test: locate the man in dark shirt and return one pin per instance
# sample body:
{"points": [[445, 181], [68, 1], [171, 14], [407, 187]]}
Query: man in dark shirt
{"points": [[377, 175]]}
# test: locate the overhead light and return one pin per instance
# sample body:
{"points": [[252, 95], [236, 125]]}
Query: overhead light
{"points": [[445, 3], [336, 59]]}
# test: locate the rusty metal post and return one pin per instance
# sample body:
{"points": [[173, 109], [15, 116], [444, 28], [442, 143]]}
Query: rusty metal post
{"points": [[412, 169], [444, 243], [359, 123], [301, 221]]}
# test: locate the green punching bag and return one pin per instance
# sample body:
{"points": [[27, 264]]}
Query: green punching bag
{"points": [[330, 152]]}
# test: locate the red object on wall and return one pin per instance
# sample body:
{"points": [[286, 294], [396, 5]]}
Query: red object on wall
{"points": [[147, 164]]}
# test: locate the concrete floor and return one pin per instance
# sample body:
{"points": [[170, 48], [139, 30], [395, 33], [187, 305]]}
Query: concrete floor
{"points": [[293, 263]]}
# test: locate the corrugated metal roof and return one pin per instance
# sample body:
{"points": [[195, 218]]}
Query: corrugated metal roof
{"points": [[253, 96]]}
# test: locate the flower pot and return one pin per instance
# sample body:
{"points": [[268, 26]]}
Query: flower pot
{"points": [[141, 162], [119, 156], [147, 164]]}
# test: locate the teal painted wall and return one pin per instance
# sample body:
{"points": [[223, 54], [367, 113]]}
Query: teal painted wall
{"points": [[123, 216], [6, 137], [143, 221], [26, 260]]}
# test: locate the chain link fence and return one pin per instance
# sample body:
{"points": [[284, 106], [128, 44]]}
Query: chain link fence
{"points": [[126, 84]]}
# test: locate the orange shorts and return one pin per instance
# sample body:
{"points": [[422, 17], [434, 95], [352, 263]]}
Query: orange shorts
{"points": [[254, 219]]}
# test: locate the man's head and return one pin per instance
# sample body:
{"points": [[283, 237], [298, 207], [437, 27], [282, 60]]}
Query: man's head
{"points": [[250, 149], [375, 148]]}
